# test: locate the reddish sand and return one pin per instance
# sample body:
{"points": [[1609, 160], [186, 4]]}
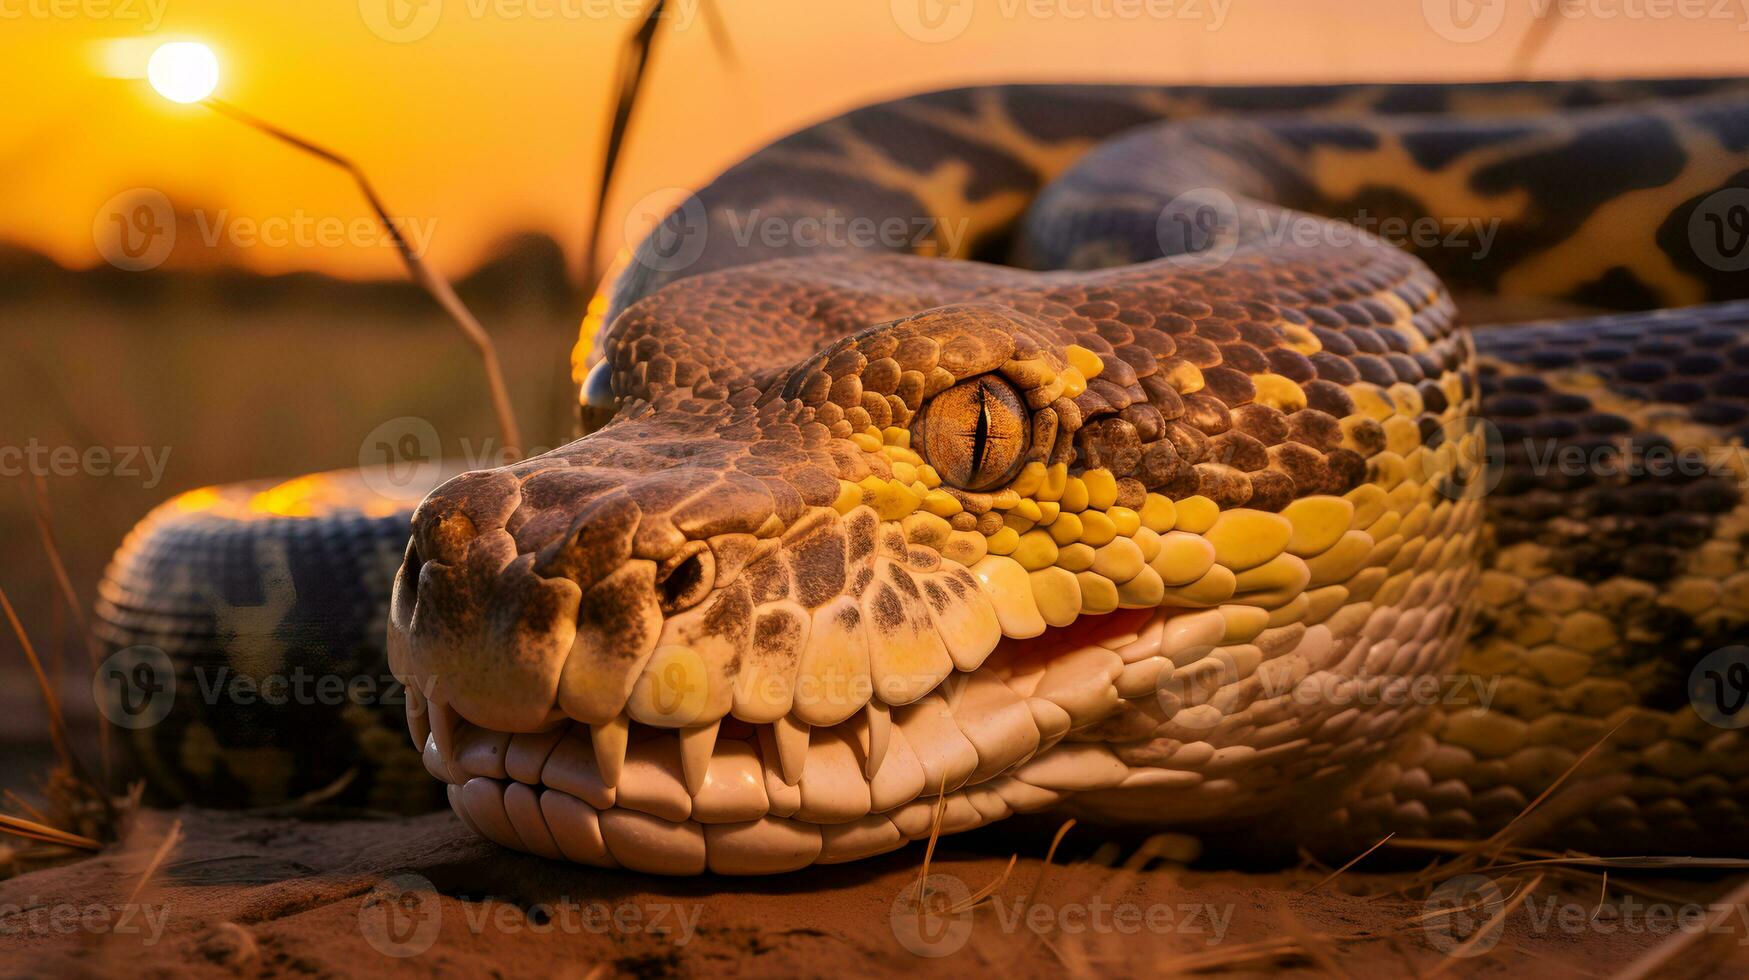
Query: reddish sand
{"points": [[271, 897]]}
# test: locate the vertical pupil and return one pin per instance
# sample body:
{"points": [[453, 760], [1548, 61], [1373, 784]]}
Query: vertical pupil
{"points": [[981, 433]]}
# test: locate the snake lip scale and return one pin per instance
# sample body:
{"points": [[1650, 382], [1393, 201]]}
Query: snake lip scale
{"points": [[785, 795]]}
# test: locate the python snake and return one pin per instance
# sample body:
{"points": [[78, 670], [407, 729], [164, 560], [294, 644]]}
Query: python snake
{"points": [[1164, 501]]}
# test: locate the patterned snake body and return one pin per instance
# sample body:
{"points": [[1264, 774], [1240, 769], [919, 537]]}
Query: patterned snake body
{"points": [[1203, 512]]}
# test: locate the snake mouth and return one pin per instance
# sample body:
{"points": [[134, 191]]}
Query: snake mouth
{"points": [[735, 797], [711, 686]]}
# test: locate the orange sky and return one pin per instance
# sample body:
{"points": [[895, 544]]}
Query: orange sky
{"points": [[479, 117]]}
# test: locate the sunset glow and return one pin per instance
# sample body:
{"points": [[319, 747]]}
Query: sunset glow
{"points": [[183, 71], [491, 124]]}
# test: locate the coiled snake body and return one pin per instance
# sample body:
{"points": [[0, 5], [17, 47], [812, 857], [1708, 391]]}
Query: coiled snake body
{"points": [[1178, 505]]}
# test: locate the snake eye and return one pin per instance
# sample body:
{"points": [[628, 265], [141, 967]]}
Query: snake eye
{"points": [[974, 433]]}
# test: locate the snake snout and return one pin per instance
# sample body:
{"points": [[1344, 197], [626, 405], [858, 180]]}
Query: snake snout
{"points": [[541, 589]]}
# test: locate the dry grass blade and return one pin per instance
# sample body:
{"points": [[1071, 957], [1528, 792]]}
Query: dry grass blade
{"points": [[52, 549], [934, 836], [1106, 855], [1639, 863], [976, 898], [1045, 869], [165, 846], [49, 699], [719, 31], [1658, 960], [1332, 876], [45, 833], [81, 787], [1500, 836], [1316, 946], [1496, 921], [635, 58], [1477, 900], [23, 804], [1260, 953], [433, 284], [1535, 38], [1471, 855], [310, 801], [1462, 846], [1585, 877]]}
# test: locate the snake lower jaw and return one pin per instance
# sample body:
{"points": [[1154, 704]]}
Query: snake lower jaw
{"points": [[1018, 733]]}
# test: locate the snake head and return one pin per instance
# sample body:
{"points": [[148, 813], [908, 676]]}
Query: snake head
{"points": [[771, 610]]}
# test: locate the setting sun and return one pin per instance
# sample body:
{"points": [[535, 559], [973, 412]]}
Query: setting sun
{"points": [[183, 71]]}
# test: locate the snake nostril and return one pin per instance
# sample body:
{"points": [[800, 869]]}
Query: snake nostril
{"points": [[687, 578]]}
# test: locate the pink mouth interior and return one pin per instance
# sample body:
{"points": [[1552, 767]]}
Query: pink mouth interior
{"points": [[1056, 641]]}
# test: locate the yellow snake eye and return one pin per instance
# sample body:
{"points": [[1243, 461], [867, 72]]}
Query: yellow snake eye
{"points": [[974, 433]]}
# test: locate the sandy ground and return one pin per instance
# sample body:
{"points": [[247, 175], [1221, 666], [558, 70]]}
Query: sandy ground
{"points": [[253, 896]]}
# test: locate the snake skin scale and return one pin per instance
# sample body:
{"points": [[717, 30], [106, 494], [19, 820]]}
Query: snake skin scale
{"points": [[1179, 505]]}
